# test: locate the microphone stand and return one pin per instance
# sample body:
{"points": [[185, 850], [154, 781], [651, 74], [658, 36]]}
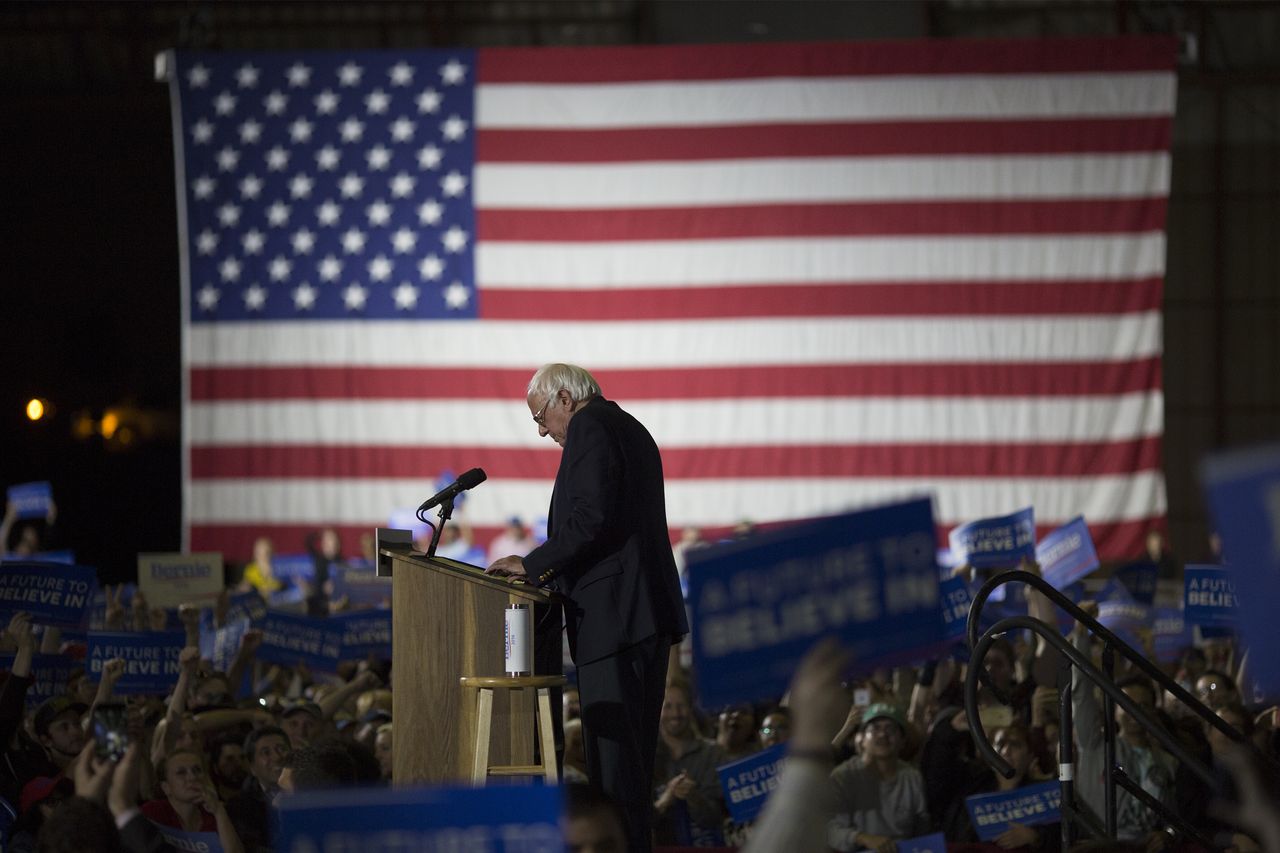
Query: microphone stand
{"points": [[445, 513]]}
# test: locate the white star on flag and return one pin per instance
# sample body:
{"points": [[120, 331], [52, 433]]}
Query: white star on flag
{"points": [[277, 159], [227, 159], [428, 101], [304, 296], [456, 296], [247, 76], [330, 268], [250, 132], [355, 296], [429, 157], [453, 72], [329, 213], [300, 186], [300, 130], [453, 184], [453, 128], [229, 269], [254, 297], [454, 239], [401, 74], [404, 240], [225, 104], [431, 267], [402, 185], [253, 241], [327, 158], [376, 102], [402, 129], [406, 296], [379, 268], [251, 186], [378, 158], [299, 75], [379, 212], [206, 242], [198, 76], [208, 297], [201, 132], [228, 215], [351, 186], [326, 102], [276, 102], [203, 186], [278, 214], [303, 241], [350, 74], [430, 211], [279, 268], [353, 241], [352, 130]]}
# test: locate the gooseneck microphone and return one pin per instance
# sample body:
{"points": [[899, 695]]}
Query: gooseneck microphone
{"points": [[468, 480]]}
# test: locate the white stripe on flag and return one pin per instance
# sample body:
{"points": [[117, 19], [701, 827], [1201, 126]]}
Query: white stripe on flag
{"points": [[690, 423], [813, 99], [710, 343], [827, 179], [689, 502]]}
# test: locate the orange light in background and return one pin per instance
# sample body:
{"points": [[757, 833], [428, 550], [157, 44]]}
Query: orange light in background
{"points": [[110, 422], [35, 409]]}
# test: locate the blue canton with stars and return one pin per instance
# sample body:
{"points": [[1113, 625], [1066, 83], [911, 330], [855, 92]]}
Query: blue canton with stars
{"points": [[329, 185]]}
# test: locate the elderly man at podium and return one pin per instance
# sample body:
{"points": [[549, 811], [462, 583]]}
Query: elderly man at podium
{"points": [[608, 551]]}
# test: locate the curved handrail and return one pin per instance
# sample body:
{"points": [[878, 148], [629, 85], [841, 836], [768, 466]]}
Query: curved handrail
{"points": [[1098, 629], [1086, 667]]}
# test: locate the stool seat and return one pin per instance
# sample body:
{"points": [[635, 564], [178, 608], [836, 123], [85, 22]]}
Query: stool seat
{"points": [[484, 685]]}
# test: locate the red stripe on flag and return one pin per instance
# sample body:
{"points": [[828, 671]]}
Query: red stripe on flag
{"points": [[825, 59], [1090, 216], [923, 299], [689, 463], [861, 139], [1113, 542], [868, 380]]}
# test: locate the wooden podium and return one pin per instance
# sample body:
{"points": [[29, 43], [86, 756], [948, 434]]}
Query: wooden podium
{"points": [[446, 622]]}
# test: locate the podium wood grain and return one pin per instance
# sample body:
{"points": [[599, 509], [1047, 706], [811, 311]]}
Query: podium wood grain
{"points": [[447, 622]]}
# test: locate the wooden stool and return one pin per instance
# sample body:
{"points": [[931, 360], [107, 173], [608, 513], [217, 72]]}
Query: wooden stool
{"points": [[481, 770]]}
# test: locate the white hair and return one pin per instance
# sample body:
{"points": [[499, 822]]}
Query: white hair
{"points": [[550, 378]]}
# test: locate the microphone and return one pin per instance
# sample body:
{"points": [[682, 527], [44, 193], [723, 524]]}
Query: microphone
{"points": [[468, 480]]}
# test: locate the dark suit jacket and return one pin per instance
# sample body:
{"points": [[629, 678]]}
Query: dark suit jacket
{"points": [[608, 548]]}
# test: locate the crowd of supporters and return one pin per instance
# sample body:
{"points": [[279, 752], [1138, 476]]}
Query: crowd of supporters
{"points": [[874, 762]]}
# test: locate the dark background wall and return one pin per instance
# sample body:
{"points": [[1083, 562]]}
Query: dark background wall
{"points": [[89, 313]]}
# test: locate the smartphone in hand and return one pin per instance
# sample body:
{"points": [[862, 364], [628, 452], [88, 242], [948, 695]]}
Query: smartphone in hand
{"points": [[110, 730]]}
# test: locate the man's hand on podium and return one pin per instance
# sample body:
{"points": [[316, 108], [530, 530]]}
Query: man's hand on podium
{"points": [[508, 567]]}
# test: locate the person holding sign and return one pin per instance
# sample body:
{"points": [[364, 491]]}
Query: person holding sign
{"points": [[607, 550], [190, 802]]}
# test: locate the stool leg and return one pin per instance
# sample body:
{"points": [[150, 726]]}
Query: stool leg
{"points": [[547, 736], [484, 725]]}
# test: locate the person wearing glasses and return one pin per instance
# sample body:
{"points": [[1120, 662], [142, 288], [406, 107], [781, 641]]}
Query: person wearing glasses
{"points": [[608, 550]]}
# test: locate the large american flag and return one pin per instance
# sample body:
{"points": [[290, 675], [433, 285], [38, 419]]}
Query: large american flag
{"points": [[824, 275]]}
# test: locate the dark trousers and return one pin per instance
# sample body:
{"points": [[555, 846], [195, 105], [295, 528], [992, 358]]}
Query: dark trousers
{"points": [[621, 701]]}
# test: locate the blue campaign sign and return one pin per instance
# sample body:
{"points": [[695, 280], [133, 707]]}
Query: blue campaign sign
{"points": [[196, 842], [500, 819], [360, 585], [364, 633], [954, 597], [1243, 491], [936, 843], [150, 659], [1033, 805], [1066, 555], [54, 594], [220, 645], [1171, 633], [288, 638], [1121, 614], [66, 558], [293, 568], [31, 500], [1210, 596], [869, 578], [49, 676], [246, 607], [996, 543], [1140, 579], [747, 783]]}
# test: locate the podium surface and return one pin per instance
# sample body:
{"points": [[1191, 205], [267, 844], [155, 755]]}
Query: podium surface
{"points": [[446, 622]]}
